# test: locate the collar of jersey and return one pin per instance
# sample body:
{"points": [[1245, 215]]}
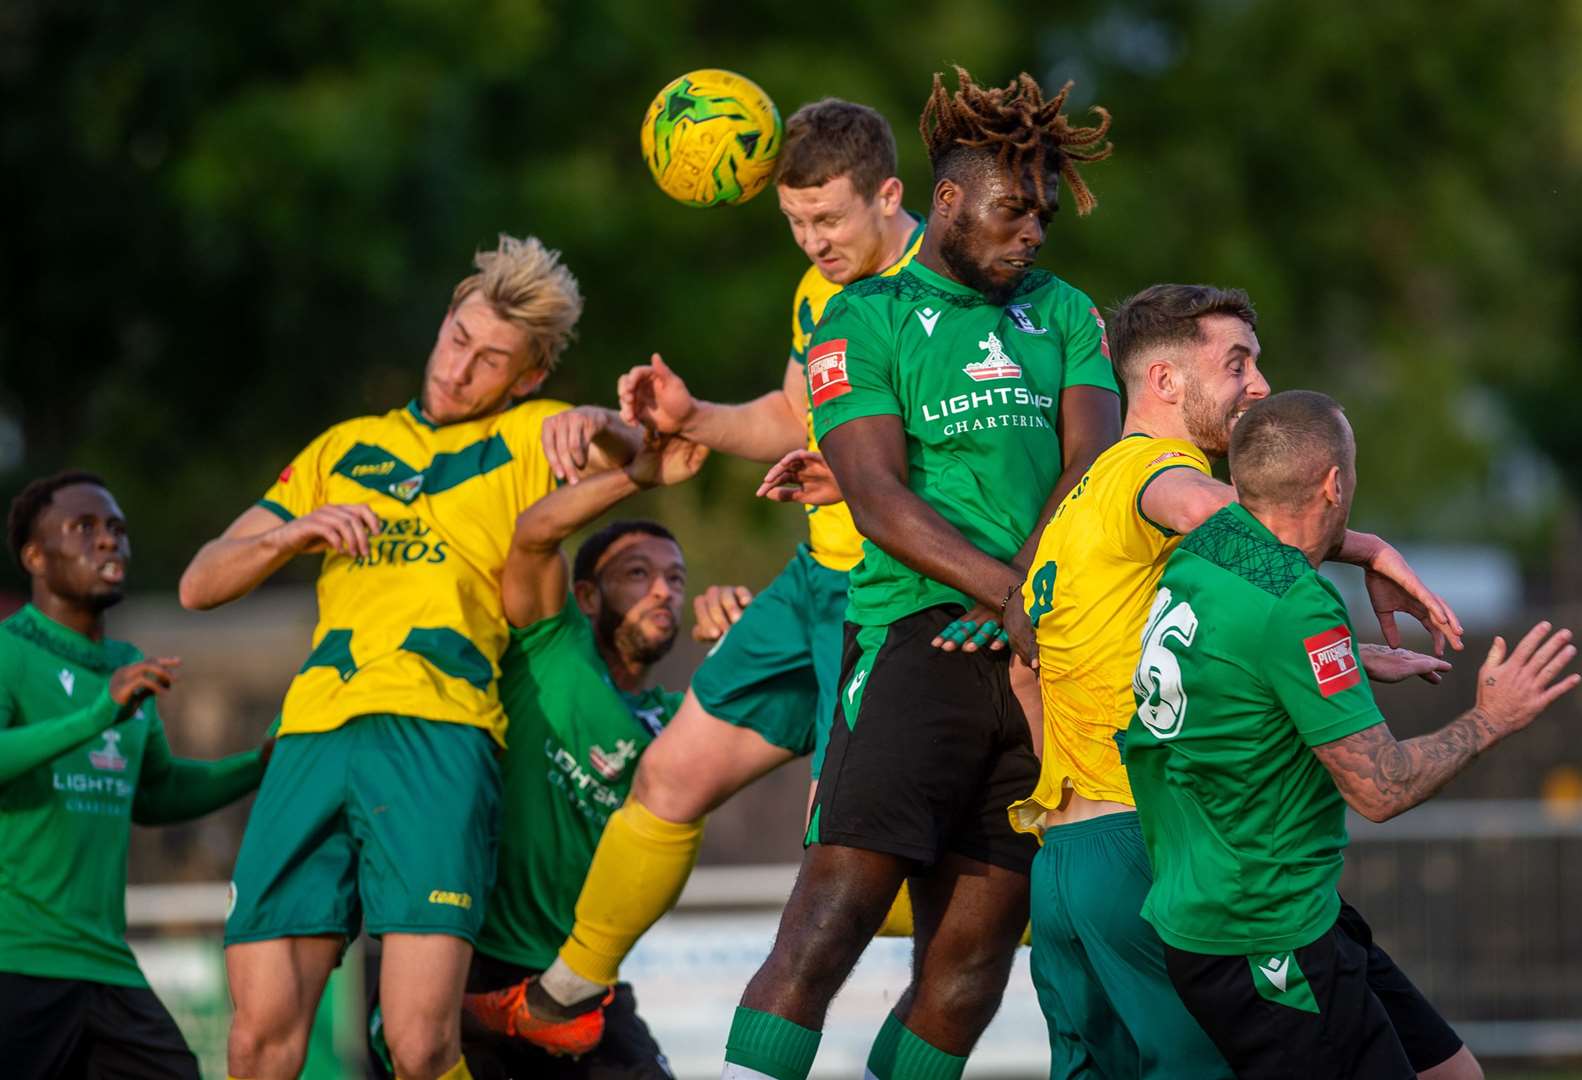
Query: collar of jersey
{"points": [[1241, 514], [33, 625], [910, 251], [416, 412], [940, 282]]}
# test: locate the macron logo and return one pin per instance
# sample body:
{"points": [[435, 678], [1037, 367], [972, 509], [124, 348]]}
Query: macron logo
{"points": [[68, 681], [1275, 970], [928, 317]]}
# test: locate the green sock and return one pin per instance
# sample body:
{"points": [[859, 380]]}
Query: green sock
{"points": [[771, 1045], [898, 1054], [881, 1058]]}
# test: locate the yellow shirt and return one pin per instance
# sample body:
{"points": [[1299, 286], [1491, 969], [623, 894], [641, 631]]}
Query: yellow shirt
{"points": [[833, 539], [416, 627], [1093, 579]]}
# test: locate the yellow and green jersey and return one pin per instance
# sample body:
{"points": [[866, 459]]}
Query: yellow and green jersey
{"points": [[414, 628], [833, 539], [1092, 580]]}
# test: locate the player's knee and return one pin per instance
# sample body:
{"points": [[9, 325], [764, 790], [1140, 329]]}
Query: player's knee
{"points": [[668, 789], [256, 1049], [422, 1053]]}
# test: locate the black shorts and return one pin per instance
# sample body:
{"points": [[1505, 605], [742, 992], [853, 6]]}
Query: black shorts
{"points": [[1312, 1014], [1426, 1037], [71, 1028], [927, 750], [628, 1050]]}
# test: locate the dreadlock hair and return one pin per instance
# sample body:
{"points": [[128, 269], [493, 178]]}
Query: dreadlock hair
{"points": [[31, 501], [1018, 125]]}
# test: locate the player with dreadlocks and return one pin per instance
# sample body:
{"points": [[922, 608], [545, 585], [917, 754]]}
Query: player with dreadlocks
{"points": [[957, 401]]}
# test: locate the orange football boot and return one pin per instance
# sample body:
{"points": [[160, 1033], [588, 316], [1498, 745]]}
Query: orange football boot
{"points": [[507, 1012]]}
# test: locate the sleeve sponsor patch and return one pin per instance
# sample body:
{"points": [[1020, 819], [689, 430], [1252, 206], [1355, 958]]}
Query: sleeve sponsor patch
{"points": [[1166, 456], [1104, 337], [1334, 663], [826, 371], [285, 474]]}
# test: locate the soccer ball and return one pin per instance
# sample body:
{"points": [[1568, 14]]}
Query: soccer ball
{"points": [[711, 137]]}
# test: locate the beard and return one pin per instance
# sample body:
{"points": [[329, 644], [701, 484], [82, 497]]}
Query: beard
{"points": [[1206, 420], [955, 248], [629, 639]]}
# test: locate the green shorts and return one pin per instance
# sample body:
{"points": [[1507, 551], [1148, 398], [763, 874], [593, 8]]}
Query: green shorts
{"points": [[389, 819], [777, 671], [1099, 969]]}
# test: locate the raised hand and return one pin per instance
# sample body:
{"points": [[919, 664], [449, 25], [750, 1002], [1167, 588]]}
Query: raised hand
{"points": [[342, 527], [667, 460], [802, 476], [717, 609], [1514, 687], [1384, 664], [567, 438], [132, 684], [655, 397], [1393, 587]]}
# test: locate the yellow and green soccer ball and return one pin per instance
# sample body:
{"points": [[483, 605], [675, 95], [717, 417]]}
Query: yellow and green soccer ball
{"points": [[711, 137]]}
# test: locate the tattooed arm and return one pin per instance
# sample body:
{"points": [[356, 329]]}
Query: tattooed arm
{"points": [[1381, 777]]}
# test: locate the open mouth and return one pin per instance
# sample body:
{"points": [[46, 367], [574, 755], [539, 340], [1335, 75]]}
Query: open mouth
{"points": [[1019, 264], [112, 573]]}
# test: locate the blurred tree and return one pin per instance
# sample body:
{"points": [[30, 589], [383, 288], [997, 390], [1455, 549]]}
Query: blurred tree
{"points": [[230, 225]]}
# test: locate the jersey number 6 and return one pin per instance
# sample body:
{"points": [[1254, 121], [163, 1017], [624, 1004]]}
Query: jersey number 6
{"points": [[1157, 681]]}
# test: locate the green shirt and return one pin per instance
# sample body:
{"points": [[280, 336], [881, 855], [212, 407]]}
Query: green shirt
{"points": [[72, 781], [574, 743], [1247, 663], [977, 389]]}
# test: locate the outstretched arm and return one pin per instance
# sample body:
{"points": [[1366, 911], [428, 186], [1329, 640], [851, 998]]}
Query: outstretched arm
{"points": [[763, 429], [1381, 777], [173, 789], [536, 578], [588, 439]]}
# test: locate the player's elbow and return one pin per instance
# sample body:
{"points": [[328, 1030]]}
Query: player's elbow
{"points": [[1372, 806], [192, 593]]}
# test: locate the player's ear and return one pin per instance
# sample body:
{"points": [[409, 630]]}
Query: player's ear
{"points": [[947, 197], [889, 196], [32, 555], [530, 380], [1164, 380], [1334, 486], [587, 594]]}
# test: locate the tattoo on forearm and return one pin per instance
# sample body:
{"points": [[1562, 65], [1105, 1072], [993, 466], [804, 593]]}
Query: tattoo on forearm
{"points": [[1382, 777]]}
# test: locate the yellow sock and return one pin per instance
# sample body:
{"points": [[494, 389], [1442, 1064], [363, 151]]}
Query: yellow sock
{"points": [[458, 1071], [898, 923], [642, 863]]}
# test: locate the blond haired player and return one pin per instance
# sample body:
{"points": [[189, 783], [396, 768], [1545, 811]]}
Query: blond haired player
{"points": [[382, 802], [766, 694], [1188, 355]]}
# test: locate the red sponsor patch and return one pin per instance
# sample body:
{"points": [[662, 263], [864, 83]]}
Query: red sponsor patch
{"points": [[1166, 456], [1104, 337], [1334, 664], [826, 371], [285, 474]]}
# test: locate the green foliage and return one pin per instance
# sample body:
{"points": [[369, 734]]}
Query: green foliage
{"points": [[230, 225]]}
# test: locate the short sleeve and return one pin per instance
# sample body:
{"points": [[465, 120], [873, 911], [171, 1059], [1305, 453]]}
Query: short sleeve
{"points": [[548, 631], [299, 489], [1087, 346], [849, 369], [1142, 538], [803, 321], [1311, 664]]}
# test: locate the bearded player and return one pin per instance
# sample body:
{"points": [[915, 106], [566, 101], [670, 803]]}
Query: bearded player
{"points": [[766, 693], [956, 402], [413, 511], [1189, 357], [82, 757]]}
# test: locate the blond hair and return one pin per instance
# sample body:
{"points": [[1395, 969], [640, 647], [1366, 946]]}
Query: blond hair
{"points": [[527, 284]]}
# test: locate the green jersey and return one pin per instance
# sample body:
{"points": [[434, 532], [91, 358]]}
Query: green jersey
{"points": [[575, 740], [1247, 664], [977, 389], [72, 781]]}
